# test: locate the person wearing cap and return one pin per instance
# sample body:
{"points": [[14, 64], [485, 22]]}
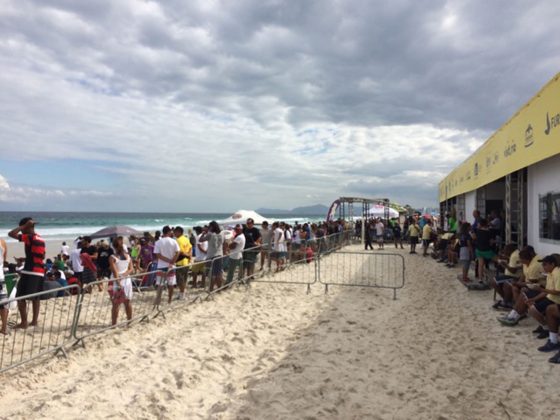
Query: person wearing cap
{"points": [[548, 296], [33, 272]]}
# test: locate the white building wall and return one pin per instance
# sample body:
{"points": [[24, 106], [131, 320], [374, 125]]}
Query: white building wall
{"points": [[542, 178], [470, 205]]}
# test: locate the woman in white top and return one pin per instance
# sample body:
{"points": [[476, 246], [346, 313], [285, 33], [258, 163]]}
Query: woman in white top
{"points": [[120, 289], [3, 288]]}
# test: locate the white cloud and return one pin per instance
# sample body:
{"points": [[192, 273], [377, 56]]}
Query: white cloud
{"points": [[34, 195], [215, 106]]}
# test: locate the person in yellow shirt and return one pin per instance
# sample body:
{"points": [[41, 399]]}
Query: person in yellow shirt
{"points": [[509, 261], [183, 260], [426, 237], [553, 310], [523, 290], [413, 233], [548, 296]]}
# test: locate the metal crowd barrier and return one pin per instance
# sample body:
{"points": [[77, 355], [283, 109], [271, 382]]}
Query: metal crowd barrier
{"points": [[95, 308], [84, 312], [362, 269], [57, 308], [293, 272]]}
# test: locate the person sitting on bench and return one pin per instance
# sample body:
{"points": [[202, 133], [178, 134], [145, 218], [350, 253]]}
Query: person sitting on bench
{"points": [[522, 289], [509, 262]]}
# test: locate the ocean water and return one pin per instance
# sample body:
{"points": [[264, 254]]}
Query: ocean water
{"points": [[69, 225]]}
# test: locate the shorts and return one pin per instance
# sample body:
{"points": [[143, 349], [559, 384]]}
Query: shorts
{"points": [[487, 255], [426, 243], [88, 276], [414, 240], [530, 293], [182, 274], [542, 304], [103, 273], [216, 266], [166, 277], [198, 267], [503, 278], [3, 293], [250, 257], [464, 253], [29, 284], [278, 255]]}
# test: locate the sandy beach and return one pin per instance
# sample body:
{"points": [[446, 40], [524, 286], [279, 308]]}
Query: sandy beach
{"points": [[275, 351]]}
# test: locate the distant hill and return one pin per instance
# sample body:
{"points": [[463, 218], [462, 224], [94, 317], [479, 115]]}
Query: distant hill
{"points": [[316, 210]]}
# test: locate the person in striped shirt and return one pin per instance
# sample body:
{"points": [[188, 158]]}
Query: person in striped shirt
{"points": [[33, 272]]}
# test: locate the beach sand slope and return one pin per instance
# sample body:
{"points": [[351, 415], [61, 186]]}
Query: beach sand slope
{"points": [[275, 351]]}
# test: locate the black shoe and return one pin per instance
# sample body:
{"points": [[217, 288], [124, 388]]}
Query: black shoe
{"points": [[549, 346], [500, 306], [543, 334], [555, 358], [538, 330]]}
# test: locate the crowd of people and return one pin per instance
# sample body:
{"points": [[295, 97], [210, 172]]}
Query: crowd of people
{"points": [[527, 284], [165, 260], [415, 229]]}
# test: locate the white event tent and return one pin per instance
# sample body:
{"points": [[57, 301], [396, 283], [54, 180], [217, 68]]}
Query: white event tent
{"points": [[241, 216], [379, 211]]}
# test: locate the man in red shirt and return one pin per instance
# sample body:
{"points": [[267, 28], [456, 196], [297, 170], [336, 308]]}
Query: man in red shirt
{"points": [[33, 272]]}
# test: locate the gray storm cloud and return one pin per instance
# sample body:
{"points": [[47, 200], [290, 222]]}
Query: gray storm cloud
{"points": [[260, 95]]}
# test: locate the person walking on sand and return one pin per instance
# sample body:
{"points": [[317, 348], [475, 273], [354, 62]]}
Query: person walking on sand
{"points": [[33, 272], [3, 288]]}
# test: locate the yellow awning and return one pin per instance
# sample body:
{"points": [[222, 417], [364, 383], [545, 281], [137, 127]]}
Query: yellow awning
{"points": [[531, 135]]}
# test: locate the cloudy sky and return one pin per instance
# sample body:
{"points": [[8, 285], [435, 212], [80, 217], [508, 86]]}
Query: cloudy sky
{"points": [[124, 105]]}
